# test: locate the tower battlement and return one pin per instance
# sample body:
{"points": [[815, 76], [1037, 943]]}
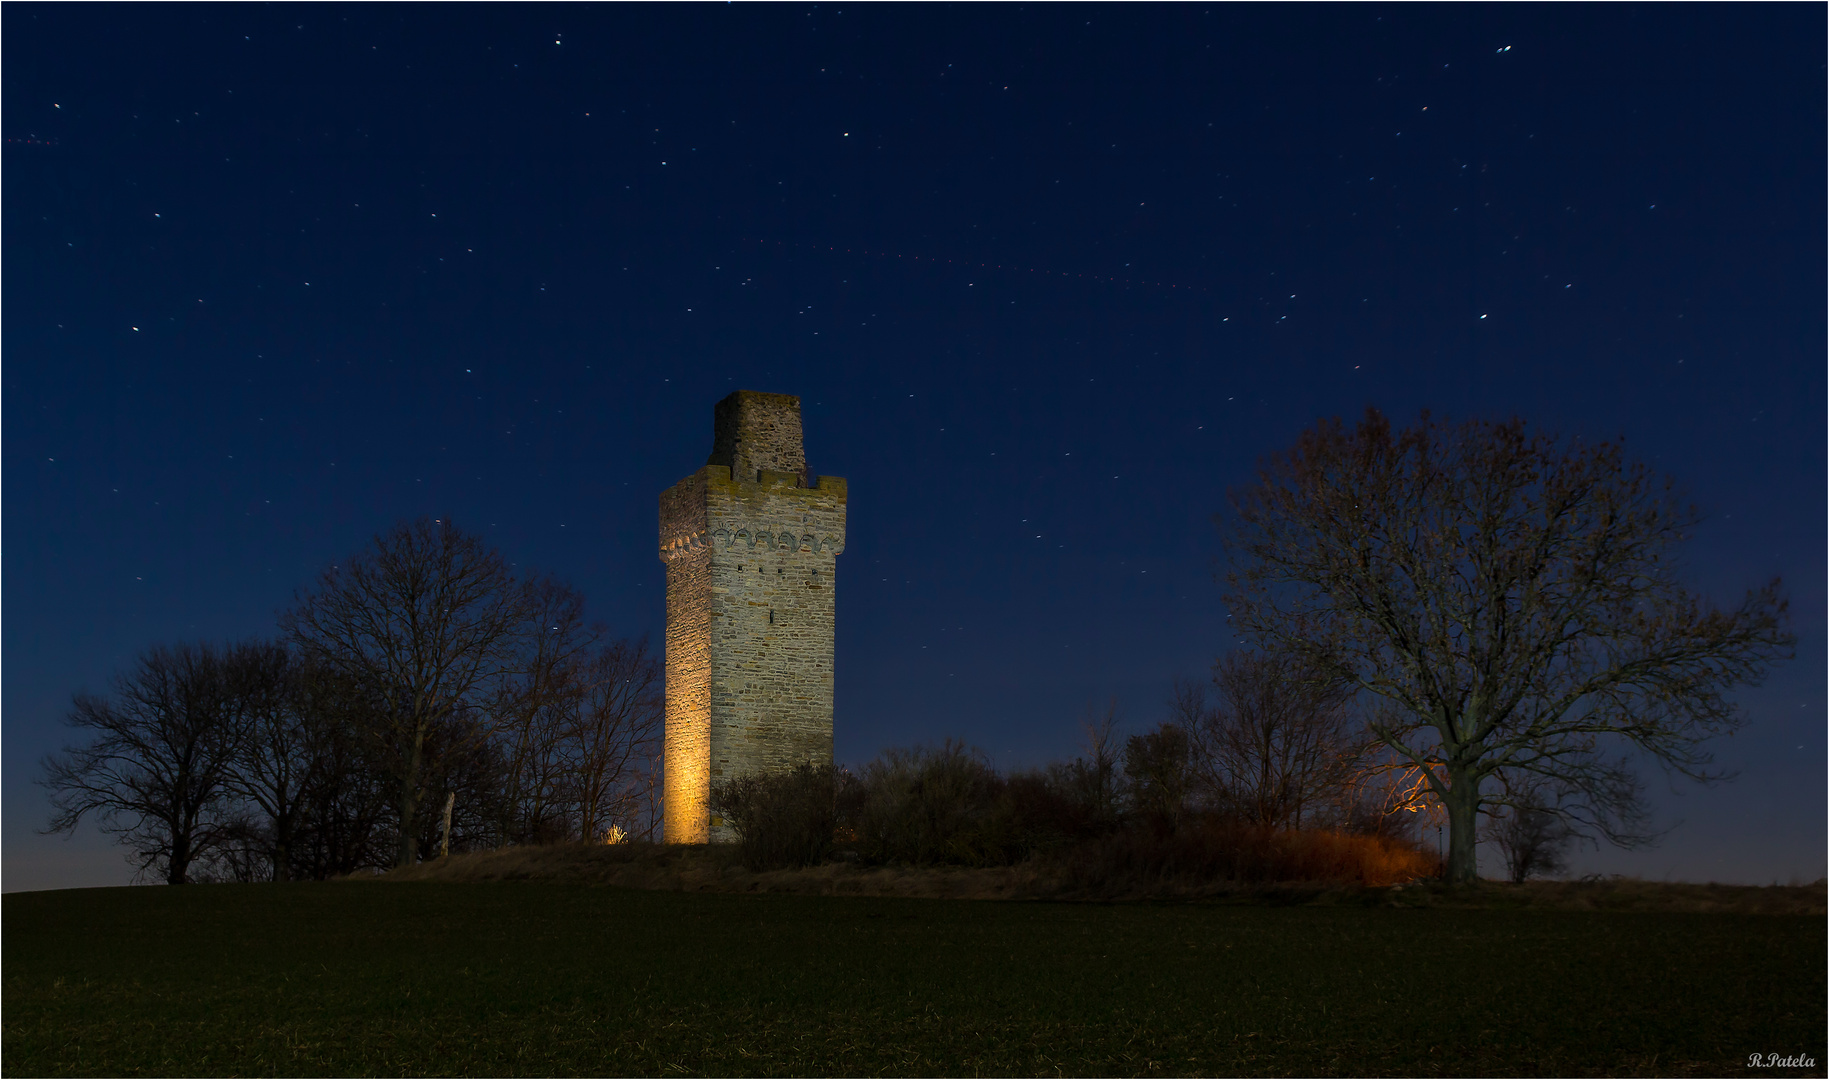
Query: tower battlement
{"points": [[750, 541], [753, 432]]}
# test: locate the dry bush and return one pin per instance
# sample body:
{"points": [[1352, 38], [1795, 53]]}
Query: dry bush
{"points": [[1211, 850]]}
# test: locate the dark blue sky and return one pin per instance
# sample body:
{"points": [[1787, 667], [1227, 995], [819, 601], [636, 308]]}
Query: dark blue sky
{"points": [[1048, 281]]}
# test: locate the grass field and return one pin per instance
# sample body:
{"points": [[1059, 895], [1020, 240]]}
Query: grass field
{"points": [[548, 978]]}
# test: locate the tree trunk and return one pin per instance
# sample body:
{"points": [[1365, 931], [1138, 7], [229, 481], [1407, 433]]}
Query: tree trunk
{"points": [[282, 847], [177, 868], [409, 804], [406, 806], [444, 844], [1463, 824]]}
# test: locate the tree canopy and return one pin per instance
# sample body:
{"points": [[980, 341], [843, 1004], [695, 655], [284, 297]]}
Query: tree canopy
{"points": [[160, 754], [1507, 605]]}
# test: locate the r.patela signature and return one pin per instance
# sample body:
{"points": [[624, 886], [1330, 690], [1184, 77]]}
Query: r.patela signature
{"points": [[1780, 1061]]}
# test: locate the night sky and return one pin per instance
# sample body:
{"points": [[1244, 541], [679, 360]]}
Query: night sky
{"points": [[1047, 280]]}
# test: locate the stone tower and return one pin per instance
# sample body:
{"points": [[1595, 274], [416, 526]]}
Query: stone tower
{"points": [[751, 542]]}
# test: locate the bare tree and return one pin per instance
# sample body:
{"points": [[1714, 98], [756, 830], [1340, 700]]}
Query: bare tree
{"points": [[159, 763], [472, 773], [615, 738], [279, 759], [1092, 780], [430, 621], [1506, 602], [1159, 773], [538, 707], [1278, 741], [1529, 833], [346, 806]]}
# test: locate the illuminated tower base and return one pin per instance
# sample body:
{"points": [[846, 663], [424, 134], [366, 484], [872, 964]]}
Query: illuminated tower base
{"points": [[751, 543]]}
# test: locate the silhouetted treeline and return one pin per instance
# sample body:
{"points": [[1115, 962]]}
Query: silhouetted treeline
{"points": [[423, 696], [418, 673]]}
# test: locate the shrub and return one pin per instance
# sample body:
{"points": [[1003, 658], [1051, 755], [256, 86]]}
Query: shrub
{"points": [[947, 805], [1045, 814], [1089, 791], [930, 806], [781, 819]]}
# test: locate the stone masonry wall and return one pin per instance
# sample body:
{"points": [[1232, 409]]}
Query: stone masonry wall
{"points": [[751, 604], [754, 431], [687, 746]]}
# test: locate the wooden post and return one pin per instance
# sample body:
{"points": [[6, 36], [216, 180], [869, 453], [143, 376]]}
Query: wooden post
{"points": [[444, 846]]}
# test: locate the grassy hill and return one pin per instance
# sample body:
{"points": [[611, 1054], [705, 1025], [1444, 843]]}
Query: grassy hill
{"points": [[716, 868], [545, 977]]}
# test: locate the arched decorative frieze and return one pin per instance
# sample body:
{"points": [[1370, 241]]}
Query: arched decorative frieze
{"points": [[749, 539], [684, 544]]}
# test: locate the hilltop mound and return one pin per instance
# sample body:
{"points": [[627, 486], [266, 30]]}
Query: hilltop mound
{"points": [[715, 868]]}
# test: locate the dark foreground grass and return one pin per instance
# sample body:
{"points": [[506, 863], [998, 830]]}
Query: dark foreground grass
{"points": [[542, 978]]}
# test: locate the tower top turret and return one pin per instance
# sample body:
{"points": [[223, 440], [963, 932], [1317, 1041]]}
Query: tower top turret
{"points": [[753, 431]]}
